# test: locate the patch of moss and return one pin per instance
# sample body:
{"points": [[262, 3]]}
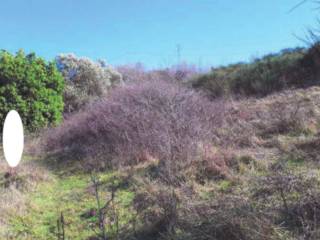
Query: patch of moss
{"points": [[225, 186]]}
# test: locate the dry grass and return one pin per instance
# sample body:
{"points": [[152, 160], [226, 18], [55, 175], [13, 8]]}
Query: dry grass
{"points": [[255, 123], [234, 189], [14, 188]]}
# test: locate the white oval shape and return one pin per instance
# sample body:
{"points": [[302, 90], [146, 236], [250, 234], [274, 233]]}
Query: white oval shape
{"points": [[13, 139]]}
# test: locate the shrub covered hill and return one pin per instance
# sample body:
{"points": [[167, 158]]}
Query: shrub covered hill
{"points": [[228, 155], [290, 68]]}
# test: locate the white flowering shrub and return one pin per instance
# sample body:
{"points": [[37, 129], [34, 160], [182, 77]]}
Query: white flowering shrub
{"points": [[86, 80]]}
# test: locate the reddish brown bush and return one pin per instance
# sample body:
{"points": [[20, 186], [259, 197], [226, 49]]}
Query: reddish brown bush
{"points": [[157, 119], [214, 166]]}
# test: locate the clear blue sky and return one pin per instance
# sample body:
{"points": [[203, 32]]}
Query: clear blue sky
{"points": [[210, 32]]}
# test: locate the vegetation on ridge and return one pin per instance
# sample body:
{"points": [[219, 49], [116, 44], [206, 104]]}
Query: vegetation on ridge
{"points": [[154, 158]]}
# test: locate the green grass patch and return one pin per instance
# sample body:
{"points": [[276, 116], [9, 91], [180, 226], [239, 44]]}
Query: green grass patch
{"points": [[72, 196]]}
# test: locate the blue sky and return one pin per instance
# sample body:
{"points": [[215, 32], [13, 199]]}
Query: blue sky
{"points": [[209, 32]]}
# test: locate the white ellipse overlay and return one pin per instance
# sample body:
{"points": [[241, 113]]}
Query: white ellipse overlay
{"points": [[13, 138]]}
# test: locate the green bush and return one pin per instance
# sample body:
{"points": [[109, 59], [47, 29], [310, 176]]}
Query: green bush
{"points": [[32, 87], [271, 73]]}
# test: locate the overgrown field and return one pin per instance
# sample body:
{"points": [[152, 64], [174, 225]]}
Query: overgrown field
{"points": [[257, 179]]}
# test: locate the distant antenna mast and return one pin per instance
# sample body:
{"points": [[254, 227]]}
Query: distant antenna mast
{"points": [[179, 53], [200, 64]]}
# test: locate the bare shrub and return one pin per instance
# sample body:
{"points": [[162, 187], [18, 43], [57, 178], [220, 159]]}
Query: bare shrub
{"points": [[158, 210], [157, 119], [177, 73], [133, 72], [281, 117], [215, 165], [237, 129], [307, 149], [184, 72], [291, 200], [226, 217], [252, 122], [137, 73]]}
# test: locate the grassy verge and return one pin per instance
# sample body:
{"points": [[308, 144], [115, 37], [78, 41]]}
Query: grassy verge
{"points": [[72, 196]]}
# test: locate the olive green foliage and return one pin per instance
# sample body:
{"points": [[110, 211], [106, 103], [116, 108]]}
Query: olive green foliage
{"points": [[31, 86], [273, 72]]}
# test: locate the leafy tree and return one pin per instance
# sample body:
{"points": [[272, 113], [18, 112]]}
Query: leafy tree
{"points": [[86, 80], [31, 86]]}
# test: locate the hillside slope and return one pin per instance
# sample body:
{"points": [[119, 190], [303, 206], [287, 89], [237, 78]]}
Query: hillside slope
{"points": [[260, 183]]}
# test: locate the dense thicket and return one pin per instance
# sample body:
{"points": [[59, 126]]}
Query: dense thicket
{"points": [[274, 72], [31, 86], [152, 119]]}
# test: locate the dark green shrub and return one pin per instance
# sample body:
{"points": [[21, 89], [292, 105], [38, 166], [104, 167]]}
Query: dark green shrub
{"points": [[32, 87], [271, 73]]}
